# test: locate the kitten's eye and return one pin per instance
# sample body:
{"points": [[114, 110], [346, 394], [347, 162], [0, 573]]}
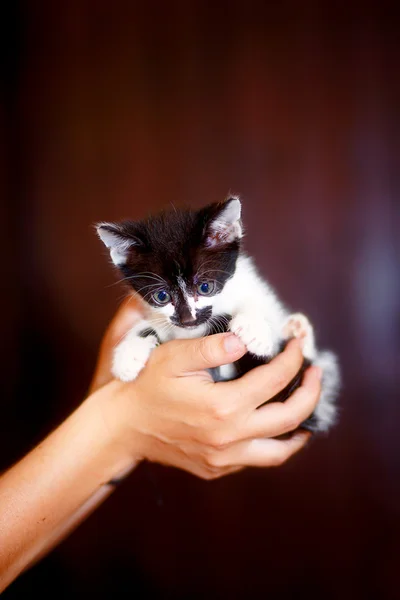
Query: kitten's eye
{"points": [[161, 297], [206, 288]]}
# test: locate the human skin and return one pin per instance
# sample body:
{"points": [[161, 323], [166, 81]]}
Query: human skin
{"points": [[173, 413]]}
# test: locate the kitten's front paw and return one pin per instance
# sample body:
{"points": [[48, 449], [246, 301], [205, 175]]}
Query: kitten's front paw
{"points": [[255, 332], [297, 325], [131, 356]]}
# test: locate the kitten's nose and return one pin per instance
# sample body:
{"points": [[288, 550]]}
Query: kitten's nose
{"points": [[187, 320], [185, 316]]}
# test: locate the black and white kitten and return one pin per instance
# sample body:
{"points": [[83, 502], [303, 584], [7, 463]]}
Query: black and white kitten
{"points": [[194, 280]]}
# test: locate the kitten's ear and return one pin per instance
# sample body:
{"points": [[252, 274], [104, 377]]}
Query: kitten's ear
{"points": [[224, 225], [117, 240]]}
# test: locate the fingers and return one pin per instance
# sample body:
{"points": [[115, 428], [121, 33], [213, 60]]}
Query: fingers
{"points": [[187, 356], [265, 452], [264, 382], [209, 472], [277, 418], [251, 453]]}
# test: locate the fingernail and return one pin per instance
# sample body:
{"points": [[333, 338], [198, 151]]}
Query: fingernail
{"points": [[318, 373], [233, 344]]}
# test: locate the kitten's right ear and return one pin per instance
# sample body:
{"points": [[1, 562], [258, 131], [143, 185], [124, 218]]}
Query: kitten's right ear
{"points": [[224, 225], [117, 240]]}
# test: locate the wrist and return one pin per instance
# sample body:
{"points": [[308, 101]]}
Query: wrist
{"points": [[113, 409]]}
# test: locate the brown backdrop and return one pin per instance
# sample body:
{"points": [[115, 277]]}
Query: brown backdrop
{"points": [[114, 109]]}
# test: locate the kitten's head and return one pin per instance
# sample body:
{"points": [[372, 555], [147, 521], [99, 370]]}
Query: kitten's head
{"points": [[178, 261]]}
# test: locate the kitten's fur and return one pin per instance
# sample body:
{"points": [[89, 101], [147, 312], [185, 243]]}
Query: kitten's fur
{"points": [[175, 253]]}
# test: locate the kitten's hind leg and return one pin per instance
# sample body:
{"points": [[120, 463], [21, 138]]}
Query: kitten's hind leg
{"points": [[324, 415], [297, 325]]}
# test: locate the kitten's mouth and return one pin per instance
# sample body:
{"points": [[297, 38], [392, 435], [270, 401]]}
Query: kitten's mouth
{"points": [[202, 317], [190, 324]]}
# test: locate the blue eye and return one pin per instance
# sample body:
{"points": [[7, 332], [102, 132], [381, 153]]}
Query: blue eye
{"points": [[161, 297], [206, 288]]}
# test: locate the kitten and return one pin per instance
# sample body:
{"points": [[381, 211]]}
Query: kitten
{"points": [[193, 278]]}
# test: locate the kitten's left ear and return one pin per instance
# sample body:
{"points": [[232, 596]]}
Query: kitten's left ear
{"points": [[225, 225], [118, 239]]}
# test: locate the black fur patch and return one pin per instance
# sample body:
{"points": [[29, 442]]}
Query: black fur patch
{"points": [[171, 247], [147, 332]]}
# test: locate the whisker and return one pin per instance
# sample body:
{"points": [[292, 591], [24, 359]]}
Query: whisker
{"points": [[204, 273], [147, 275], [121, 338]]}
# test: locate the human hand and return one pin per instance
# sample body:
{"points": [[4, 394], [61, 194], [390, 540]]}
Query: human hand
{"points": [[174, 413]]}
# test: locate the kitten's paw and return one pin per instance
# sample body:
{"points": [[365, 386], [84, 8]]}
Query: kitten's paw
{"points": [[256, 333], [298, 326], [131, 356]]}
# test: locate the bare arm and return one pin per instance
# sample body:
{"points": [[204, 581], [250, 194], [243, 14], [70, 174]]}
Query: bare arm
{"points": [[173, 413]]}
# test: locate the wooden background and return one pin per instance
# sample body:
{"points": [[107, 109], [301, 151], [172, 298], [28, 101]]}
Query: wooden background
{"points": [[111, 110]]}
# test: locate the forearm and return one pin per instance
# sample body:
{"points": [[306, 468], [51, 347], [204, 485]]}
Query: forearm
{"points": [[55, 486], [71, 523]]}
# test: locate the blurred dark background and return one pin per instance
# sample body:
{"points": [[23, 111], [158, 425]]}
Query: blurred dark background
{"points": [[110, 110]]}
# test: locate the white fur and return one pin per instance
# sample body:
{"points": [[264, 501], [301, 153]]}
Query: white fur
{"points": [[164, 311], [258, 318], [117, 244], [297, 325], [203, 301], [227, 372], [193, 304], [190, 301], [326, 410], [227, 225], [257, 314], [186, 333], [256, 333], [132, 353]]}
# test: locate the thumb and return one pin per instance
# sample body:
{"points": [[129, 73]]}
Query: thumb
{"points": [[185, 356]]}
